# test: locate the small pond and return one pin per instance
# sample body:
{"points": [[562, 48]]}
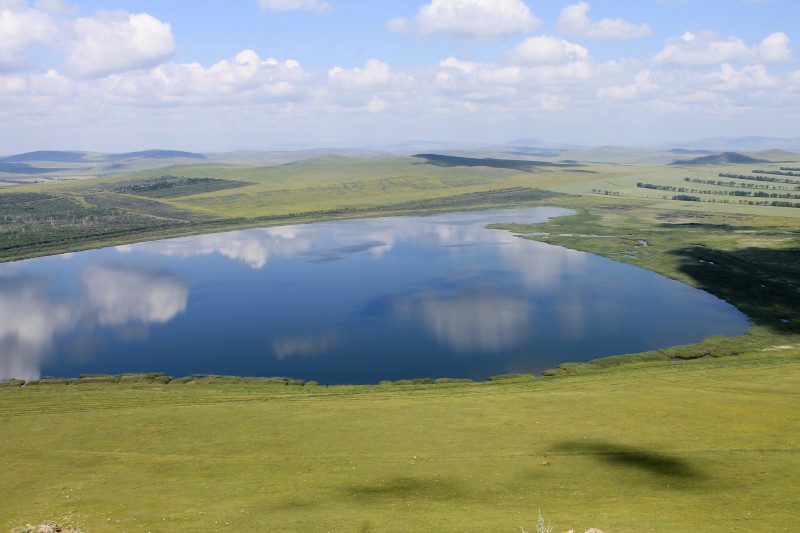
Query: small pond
{"points": [[343, 302]]}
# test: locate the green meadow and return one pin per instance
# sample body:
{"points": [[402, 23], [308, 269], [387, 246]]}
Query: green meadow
{"points": [[703, 445], [690, 438]]}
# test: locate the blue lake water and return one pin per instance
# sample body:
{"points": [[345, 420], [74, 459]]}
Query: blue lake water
{"points": [[343, 302]]}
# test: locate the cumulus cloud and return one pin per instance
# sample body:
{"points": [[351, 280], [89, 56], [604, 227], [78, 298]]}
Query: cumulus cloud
{"points": [[316, 6], [373, 87], [375, 73], [22, 28], [748, 78], [246, 75], [775, 48], [643, 84], [545, 50], [575, 20], [468, 19], [41, 87], [540, 80], [111, 42], [708, 48]]}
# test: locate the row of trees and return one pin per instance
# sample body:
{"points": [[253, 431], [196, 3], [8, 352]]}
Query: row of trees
{"points": [[781, 172], [773, 203], [767, 179], [608, 193], [748, 185], [717, 192]]}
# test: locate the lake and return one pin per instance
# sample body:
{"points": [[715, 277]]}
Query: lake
{"points": [[343, 302]]}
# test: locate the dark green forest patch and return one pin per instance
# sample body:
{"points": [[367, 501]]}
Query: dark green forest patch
{"points": [[174, 186]]}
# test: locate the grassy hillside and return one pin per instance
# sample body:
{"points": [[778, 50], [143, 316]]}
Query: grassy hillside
{"points": [[707, 445]]}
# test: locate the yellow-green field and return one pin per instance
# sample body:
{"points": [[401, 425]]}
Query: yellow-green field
{"points": [[706, 445]]}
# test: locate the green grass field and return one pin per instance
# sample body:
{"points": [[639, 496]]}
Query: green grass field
{"points": [[705, 445]]}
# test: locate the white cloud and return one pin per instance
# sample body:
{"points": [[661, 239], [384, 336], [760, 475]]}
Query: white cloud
{"points": [[748, 78], [545, 50], [468, 19], [21, 29], [644, 84], [575, 20], [316, 6], [510, 89], [111, 42], [375, 73], [775, 48], [372, 87], [707, 48], [463, 83], [246, 75]]}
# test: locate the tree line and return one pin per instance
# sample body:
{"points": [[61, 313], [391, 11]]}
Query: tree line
{"points": [[721, 183], [781, 172], [747, 194], [758, 178]]}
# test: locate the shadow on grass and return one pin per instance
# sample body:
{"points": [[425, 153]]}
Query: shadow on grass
{"points": [[522, 165], [763, 283], [646, 461], [406, 488]]}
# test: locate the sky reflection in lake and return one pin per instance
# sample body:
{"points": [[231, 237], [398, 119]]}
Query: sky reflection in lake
{"points": [[342, 302]]}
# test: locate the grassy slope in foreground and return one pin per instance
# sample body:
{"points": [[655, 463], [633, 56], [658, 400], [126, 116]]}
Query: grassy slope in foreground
{"points": [[706, 445]]}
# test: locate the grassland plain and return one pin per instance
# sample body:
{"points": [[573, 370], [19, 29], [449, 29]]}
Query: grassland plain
{"points": [[704, 445]]}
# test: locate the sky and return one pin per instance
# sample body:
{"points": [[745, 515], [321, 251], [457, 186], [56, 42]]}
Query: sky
{"points": [[214, 76]]}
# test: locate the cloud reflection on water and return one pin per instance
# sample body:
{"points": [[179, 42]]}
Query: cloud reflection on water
{"points": [[251, 247], [29, 320], [123, 297], [324, 242], [120, 295], [303, 346], [469, 321]]}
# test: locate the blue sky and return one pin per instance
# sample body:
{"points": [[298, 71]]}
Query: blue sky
{"points": [[115, 75]]}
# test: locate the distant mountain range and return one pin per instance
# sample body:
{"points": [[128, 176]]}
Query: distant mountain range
{"points": [[46, 164], [684, 151], [47, 156], [740, 144], [38, 163]]}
